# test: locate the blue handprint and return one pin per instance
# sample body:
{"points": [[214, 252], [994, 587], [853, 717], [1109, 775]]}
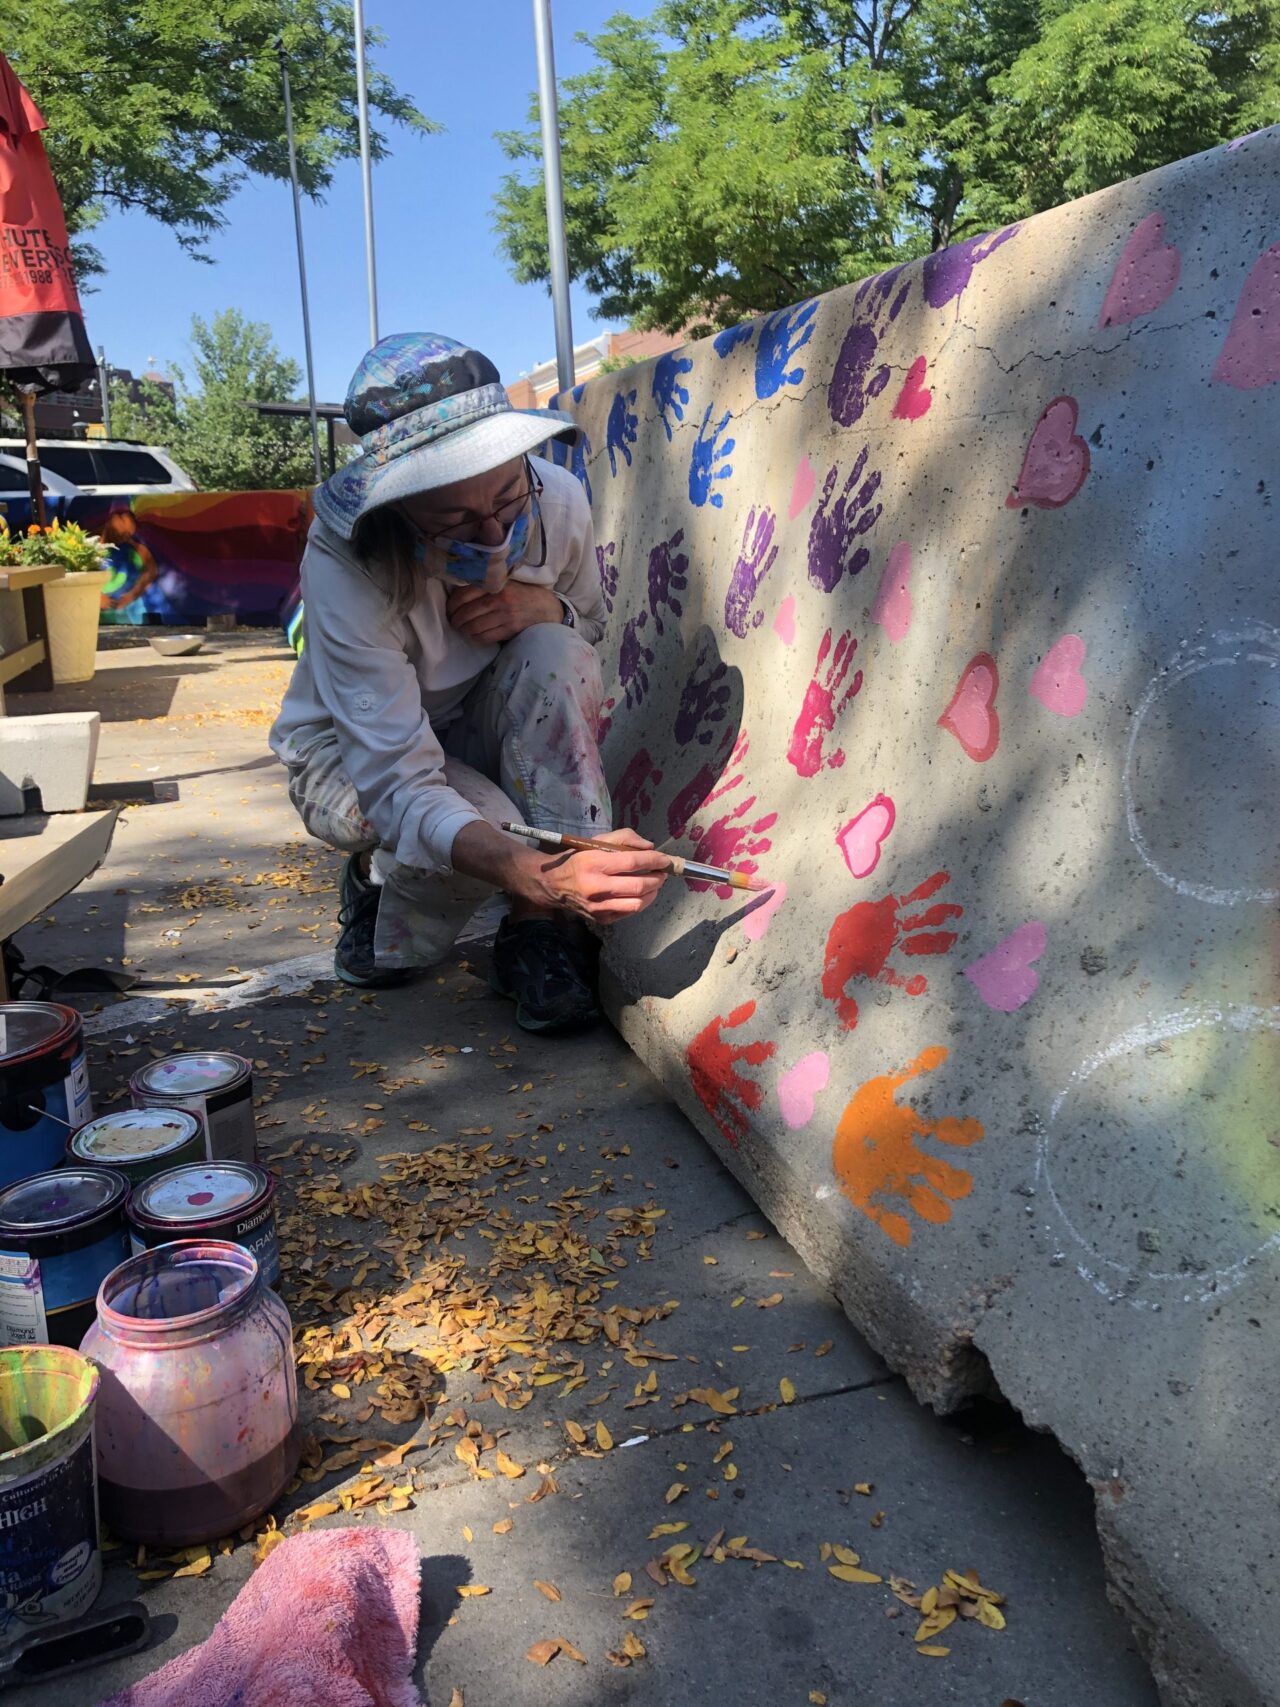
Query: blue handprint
{"points": [[574, 458], [561, 397], [732, 336], [668, 393], [783, 336], [621, 432], [708, 453]]}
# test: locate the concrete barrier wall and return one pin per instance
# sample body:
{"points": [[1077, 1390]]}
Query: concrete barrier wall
{"points": [[949, 603]]}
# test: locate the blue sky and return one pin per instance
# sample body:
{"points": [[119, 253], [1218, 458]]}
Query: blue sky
{"points": [[471, 67]]}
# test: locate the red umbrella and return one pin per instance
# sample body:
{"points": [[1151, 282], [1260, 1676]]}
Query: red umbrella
{"points": [[43, 343]]}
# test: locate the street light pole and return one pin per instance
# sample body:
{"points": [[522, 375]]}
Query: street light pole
{"points": [[366, 170], [104, 387], [558, 253], [302, 260]]}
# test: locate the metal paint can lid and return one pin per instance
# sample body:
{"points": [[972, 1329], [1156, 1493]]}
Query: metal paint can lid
{"points": [[199, 1192], [196, 1074], [67, 1197], [134, 1134], [27, 1028]]}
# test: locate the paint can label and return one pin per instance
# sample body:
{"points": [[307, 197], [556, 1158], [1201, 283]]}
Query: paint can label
{"points": [[22, 1313], [76, 1090], [50, 1563], [32, 1292]]}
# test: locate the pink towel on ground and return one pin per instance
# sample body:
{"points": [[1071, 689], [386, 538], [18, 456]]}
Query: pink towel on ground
{"points": [[329, 1619]]}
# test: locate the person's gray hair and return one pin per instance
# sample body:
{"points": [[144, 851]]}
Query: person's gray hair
{"points": [[385, 544]]}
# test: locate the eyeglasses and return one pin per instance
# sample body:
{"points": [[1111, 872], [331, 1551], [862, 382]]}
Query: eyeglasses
{"points": [[507, 512]]}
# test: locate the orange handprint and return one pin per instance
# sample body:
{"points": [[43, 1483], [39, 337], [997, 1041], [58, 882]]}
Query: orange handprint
{"points": [[877, 1159], [861, 940], [727, 1096]]}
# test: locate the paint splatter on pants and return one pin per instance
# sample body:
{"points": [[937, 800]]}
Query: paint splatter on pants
{"points": [[522, 748]]}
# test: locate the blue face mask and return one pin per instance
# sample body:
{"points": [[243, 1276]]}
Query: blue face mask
{"points": [[481, 565]]}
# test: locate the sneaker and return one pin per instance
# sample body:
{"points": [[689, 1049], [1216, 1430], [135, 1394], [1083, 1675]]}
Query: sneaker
{"points": [[353, 957], [547, 974]]}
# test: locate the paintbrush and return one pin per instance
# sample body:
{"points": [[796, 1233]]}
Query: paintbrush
{"points": [[681, 867]]}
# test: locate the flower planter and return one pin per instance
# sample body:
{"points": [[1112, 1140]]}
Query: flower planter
{"points": [[71, 610]]}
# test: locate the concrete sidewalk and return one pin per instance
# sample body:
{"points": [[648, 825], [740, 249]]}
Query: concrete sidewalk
{"points": [[568, 1208]]}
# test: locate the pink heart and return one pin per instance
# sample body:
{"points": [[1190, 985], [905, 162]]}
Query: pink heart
{"points": [[1005, 978], [1058, 683], [1145, 274], [758, 920], [784, 624], [915, 399], [862, 837], [1056, 460], [892, 606], [802, 488], [971, 716], [798, 1087], [1251, 355]]}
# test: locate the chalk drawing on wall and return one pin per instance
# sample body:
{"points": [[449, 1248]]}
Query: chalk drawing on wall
{"points": [[1199, 1087], [1202, 768], [878, 1158], [1005, 977], [863, 941], [1058, 682], [971, 714], [1055, 462], [863, 837], [1250, 357], [1145, 276]]}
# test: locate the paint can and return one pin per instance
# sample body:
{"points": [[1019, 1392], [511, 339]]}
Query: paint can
{"points": [[138, 1142], [61, 1234], [44, 1085], [215, 1086], [232, 1201], [50, 1560]]}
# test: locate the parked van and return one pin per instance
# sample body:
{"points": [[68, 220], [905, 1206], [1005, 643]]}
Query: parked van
{"points": [[105, 467]]}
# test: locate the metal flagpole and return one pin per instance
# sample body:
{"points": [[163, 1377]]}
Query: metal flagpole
{"points": [[302, 259], [366, 168], [104, 387], [557, 248]]}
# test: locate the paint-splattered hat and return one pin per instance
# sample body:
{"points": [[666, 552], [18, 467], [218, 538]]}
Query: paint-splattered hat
{"points": [[428, 411]]}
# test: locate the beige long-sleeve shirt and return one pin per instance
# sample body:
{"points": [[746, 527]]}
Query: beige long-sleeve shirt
{"points": [[383, 683]]}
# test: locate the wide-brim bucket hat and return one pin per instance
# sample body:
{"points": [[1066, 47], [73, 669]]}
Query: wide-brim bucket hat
{"points": [[428, 410]]}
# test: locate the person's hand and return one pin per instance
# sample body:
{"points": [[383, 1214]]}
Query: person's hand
{"points": [[491, 618], [607, 884]]}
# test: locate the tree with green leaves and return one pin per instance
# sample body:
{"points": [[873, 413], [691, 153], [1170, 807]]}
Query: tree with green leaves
{"points": [[724, 158], [165, 107], [208, 427]]}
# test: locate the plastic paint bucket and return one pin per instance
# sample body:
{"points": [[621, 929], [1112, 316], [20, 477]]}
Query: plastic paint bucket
{"points": [[50, 1562], [44, 1085], [216, 1087], [231, 1201], [138, 1142], [61, 1234]]}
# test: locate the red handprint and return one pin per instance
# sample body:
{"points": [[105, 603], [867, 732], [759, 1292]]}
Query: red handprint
{"points": [[632, 800], [819, 711], [860, 942], [708, 785], [728, 1097]]}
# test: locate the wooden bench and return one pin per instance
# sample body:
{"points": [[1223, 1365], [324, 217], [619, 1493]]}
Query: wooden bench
{"points": [[42, 859], [27, 668]]}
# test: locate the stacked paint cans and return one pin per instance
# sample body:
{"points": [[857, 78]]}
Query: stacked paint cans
{"points": [[61, 1234], [231, 1201], [44, 1085], [138, 1142], [215, 1086]]}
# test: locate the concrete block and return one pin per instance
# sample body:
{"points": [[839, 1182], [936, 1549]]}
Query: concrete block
{"points": [[947, 602], [55, 751]]}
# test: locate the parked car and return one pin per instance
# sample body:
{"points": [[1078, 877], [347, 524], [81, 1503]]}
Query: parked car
{"points": [[13, 480], [106, 467]]}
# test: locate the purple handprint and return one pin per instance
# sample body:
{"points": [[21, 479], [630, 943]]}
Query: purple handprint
{"points": [[704, 699], [574, 458], [620, 434], [853, 381], [947, 273], [608, 568], [632, 799], [668, 393], [783, 336], [755, 560], [839, 520], [668, 575], [709, 451], [634, 657]]}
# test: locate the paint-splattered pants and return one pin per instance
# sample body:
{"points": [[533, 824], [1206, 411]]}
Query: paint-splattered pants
{"points": [[523, 748]]}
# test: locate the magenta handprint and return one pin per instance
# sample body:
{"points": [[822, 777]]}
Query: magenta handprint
{"points": [[634, 657], [826, 698], [840, 519], [735, 838], [859, 374], [755, 560], [632, 796], [606, 563], [699, 789], [704, 699], [668, 575]]}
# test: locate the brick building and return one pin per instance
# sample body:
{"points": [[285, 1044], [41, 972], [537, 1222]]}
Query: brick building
{"points": [[535, 389]]}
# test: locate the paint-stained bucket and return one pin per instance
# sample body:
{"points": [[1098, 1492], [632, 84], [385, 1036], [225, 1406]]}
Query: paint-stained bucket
{"points": [[61, 1234], [138, 1142], [50, 1562], [216, 1087], [44, 1085], [235, 1201]]}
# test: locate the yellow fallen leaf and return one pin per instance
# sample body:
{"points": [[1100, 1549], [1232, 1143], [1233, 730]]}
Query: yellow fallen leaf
{"points": [[455, 1700], [713, 1400], [504, 1526], [340, 1390], [570, 1652], [549, 1589], [469, 1590], [935, 1623], [817, 1698], [268, 1541], [508, 1466], [666, 1529], [674, 1492], [862, 1488], [604, 1440], [788, 1390], [639, 1609], [723, 1453], [929, 1601], [823, 1349], [197, 1567], [633, 1647], [769, 1302], [322, 1508], [730, 1472], [466, 1532], [934, 1653], [990, 1615], [577, 1434], [622, 1583], [846, 1555], [542, 1653], [851, 1574]]}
